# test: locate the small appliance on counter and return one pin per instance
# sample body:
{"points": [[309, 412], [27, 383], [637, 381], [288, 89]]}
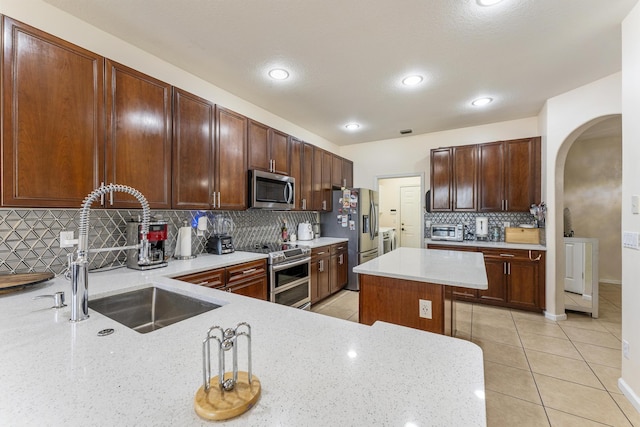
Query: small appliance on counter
{"points": [[450, 232], [305, 231], [221, 242], [158, 232], [482, 228], [316, 230]]}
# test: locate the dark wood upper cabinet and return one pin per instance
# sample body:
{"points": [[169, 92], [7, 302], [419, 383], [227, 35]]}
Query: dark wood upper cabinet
{"points": [[138, 151], [268, 149], [307, 185], [295, 170], [336, 172], [441, 177], [193, 151], [316, 182], [509, 175], [465, 178], [327, 188], [347, 172], [230, 163], [53, 119]]}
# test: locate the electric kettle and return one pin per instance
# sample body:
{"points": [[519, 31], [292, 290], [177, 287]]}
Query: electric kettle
{"points": [[305, 231]]}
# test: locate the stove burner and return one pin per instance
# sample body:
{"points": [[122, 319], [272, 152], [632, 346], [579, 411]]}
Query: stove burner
{"points": [[278, 252]]}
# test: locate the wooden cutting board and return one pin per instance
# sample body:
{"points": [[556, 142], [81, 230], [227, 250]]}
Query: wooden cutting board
{"points": [[10, 281]]}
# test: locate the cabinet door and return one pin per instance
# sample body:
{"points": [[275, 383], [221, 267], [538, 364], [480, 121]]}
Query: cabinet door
{"points": [[327, 188], [441, 175], [316, 183], [295, 171], [192, 151], [320, 278], [491, 177], [520, 174], [336, 172], [138, 136], [496, 278], [522, 284], [347, 172], [307, 175], [231, 160], [339, 271], [52, 148], [279, 149], [465, 178], [258, 146]]}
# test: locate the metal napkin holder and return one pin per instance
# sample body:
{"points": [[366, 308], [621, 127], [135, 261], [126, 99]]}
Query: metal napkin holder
{"points": [[228, 394]]}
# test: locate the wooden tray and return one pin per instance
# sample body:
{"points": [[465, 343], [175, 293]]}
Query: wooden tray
{"points": [[217, 405], [16, 282], [522, 235]]}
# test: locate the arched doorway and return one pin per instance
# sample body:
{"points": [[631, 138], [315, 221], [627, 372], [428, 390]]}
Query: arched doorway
{"points": [[601, 127]]}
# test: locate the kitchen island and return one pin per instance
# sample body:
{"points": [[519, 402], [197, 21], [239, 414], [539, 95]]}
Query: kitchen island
{"points": [[314, 369], [412, 287]]}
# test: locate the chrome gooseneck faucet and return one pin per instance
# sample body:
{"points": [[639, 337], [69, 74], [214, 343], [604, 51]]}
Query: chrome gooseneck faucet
{"points": [[79, 268]]}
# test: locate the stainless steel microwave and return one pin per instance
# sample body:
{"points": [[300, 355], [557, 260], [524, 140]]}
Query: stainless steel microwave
{"points": [[271, 191], [451, 232]]}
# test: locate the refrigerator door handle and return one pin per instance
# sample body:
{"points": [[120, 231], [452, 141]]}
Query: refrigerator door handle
{"points": [[372, 215]]}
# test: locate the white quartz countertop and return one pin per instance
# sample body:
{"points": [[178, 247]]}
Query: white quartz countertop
{"points": [[443, 267], [315, 370], [321, 241], [489, 245]]}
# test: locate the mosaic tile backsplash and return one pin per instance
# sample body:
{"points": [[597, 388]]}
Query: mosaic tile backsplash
{"points": [[30, 238], [469, 219]]}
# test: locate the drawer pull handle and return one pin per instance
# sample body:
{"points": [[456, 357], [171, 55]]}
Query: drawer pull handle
{"points": [[203, 283], [508, 255], [319, 253], [251, 270], [536, 259]]}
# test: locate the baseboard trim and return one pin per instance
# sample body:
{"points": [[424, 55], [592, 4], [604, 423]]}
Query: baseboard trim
{"points": [[555, 317], [611, 281], [629, 393]]}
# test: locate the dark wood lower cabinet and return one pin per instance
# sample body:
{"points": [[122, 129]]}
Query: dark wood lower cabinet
{"points": [[248, 279], [329, 270], [397, 301], [516, 278]]}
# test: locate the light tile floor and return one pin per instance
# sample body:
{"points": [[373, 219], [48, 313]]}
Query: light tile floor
{"points": [[539, 372]]}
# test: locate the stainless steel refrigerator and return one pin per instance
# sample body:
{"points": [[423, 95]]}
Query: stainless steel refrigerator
{"points": [[354, 216]]}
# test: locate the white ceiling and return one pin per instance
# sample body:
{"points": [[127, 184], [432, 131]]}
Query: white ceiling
{"points": [[346, 57]]}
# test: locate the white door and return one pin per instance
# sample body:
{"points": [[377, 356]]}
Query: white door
{"points": [[574, 267], [410, 217]]}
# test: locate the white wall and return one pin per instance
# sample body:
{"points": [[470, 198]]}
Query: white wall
{"points": [[563, 119], [47, 18], [630, 381], [410, 154]]}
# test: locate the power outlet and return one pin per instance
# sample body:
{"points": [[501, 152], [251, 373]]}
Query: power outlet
{"points": [[625, 349], [425, 309], [66, 239]]}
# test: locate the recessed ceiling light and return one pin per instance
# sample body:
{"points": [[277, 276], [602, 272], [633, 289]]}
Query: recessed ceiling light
{"points": [[481, 102], [278, 74], [412, 80], [352, 126], [488, 2]]}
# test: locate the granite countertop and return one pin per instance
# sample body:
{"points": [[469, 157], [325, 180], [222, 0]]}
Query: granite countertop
{"points": [[314, 369], [455, 268], [485, 244]]}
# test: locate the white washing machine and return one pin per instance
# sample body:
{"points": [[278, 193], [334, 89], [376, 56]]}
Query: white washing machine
{"points": [[388, 241]]}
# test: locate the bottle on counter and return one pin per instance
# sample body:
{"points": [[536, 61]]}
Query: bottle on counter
{"points": [[285, 232]]}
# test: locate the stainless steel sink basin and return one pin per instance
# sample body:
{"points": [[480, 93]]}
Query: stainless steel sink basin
{"points": [[145, 310]]}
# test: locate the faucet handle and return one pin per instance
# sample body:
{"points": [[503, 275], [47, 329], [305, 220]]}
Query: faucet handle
{"points": [[58, 299]]}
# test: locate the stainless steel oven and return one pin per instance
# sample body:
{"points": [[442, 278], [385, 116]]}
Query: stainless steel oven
{"points": [[290, 283], [289, 273]]}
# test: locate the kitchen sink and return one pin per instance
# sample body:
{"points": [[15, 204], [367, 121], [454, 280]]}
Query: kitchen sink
{"points": [[148, 309]]}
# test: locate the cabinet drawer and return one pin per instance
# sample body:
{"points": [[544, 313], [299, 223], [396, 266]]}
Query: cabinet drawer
{"points": [[338, 247], [209, 278], [255, 287], [320, 252], [245, 271], [512, 254]]}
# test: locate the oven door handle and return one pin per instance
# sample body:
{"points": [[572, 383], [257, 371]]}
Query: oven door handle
{"points": [[291, 285], [285, 265]]}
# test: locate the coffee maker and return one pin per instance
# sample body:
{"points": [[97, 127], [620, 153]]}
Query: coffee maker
{"points": [[158, 231]]}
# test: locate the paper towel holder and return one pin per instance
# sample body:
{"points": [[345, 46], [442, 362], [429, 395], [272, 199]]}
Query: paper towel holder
{"points": [[186, 228]]}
